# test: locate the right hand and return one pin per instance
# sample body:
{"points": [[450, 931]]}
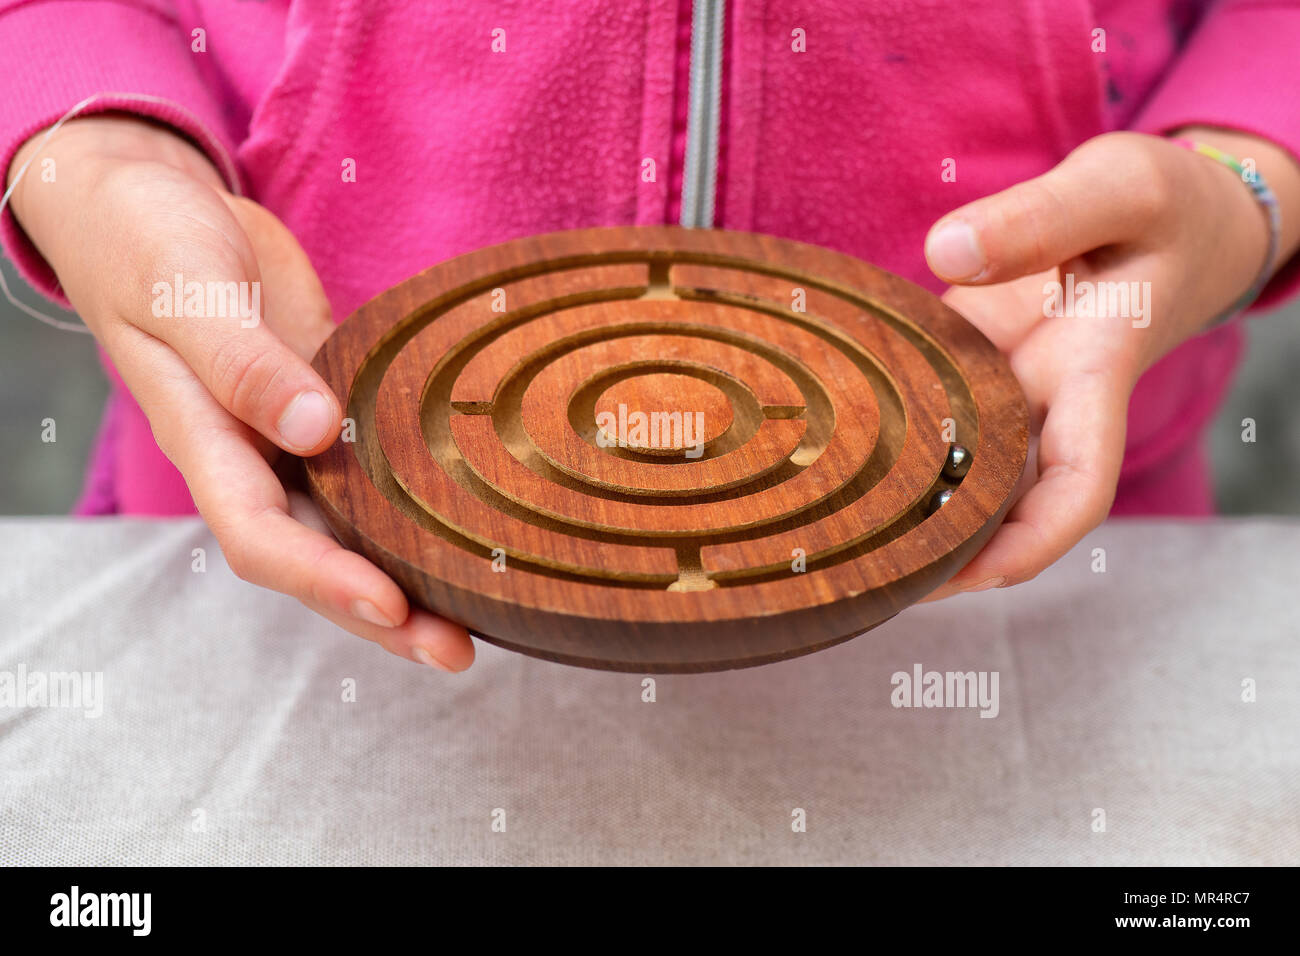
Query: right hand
{"points": [[134, 204]]}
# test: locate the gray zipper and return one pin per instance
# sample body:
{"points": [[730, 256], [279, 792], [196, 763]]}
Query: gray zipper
{"points": [[700, 172]]}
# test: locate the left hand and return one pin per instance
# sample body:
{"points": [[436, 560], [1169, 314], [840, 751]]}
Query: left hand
{"points": [[1122, 207]]}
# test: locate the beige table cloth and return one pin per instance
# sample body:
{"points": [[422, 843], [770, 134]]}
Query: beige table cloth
{"points": [[1149, 714]]}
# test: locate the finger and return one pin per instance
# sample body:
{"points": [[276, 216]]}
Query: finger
{"points": [[1106, 191], [245, 505], [265, 544], [1005, 313], [423, 637], [1079, 456]]}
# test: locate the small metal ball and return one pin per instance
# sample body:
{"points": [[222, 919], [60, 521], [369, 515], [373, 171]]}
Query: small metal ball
{"points": [[941, 499], [958, 462]]}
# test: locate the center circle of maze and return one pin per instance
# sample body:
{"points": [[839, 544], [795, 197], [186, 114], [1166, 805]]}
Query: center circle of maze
{"points": [[666, 414], [518, 430]]}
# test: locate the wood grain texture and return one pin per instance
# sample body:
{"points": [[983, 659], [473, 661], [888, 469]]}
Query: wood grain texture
{"points": [[656, 449]]}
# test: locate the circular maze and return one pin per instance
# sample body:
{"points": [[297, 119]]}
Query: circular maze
{"points": [[660, 449]]}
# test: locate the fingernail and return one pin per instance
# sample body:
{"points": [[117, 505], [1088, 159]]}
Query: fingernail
{"points": [[306, 420], [986, 585], [367, 611], [422, 655], [954, 251]]}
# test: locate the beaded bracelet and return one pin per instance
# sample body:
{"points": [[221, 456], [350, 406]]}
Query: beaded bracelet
{"points": [[1266, 198]]}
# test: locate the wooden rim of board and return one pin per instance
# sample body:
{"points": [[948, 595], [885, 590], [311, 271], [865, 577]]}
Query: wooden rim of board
{"points": [[478, 480]]}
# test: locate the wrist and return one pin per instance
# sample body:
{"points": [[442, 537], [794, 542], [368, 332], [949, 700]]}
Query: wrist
{"points": [[1259, 216], [1278, 167], [84, 146]]}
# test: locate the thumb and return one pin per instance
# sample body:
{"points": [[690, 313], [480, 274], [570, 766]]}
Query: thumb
{"points": [[194, 282], [1103, 193]]}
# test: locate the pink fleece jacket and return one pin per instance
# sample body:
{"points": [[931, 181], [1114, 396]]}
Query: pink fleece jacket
{"points": [[457, 146]]}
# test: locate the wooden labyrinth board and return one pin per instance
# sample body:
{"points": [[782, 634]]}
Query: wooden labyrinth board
{"points": [[659, 449]]}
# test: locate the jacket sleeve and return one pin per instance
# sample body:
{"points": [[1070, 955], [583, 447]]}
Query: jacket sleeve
{"points": [[1240, 70], [131, 56]]}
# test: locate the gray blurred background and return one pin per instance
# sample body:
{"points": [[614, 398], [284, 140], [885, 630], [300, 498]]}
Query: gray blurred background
{"points": [[48, 373]]}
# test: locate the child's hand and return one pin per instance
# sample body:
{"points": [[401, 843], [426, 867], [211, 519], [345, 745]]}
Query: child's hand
{"points": [[134, 205], [1123, 207]]}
